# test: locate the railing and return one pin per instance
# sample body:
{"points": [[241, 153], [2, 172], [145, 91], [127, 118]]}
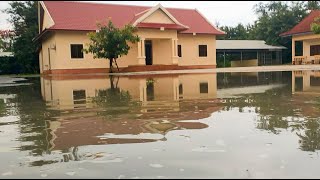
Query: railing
{"points": [[300, 60], [316, 59], [297, 60]]}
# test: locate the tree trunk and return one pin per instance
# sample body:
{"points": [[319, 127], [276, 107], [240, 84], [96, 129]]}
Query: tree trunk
{"points": [[115, 61], [110, 65], [111, 81]]}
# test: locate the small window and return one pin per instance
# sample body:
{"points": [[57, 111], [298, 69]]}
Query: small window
{"points": [[79, 97], [202, 50], [179, 50], [76, 51], [204, 88], [314, 50]]}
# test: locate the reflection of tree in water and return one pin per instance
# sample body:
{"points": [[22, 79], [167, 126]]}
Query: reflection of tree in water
{"points": [[310, 140], [2, 108], [33, 115], [68, 155], [277, 111], [114, 101], [271, 123], [271, 106]]}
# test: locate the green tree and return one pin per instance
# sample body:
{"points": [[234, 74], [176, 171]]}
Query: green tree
{"points": [[6, 38], [240, 32], [312, 5], [315, 26], [1, 44], [111, 42], [24, 18]]}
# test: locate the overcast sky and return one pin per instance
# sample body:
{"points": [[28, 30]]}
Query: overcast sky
{"points": [[228, 13]]}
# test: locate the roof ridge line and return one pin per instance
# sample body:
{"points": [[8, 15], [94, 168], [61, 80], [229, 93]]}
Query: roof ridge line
{"points": [[98, 3]]}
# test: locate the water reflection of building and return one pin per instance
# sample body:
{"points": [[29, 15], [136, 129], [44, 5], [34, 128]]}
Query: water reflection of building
{"points": [[240, 83], [306, 82], [72, 93], [156, 105]]}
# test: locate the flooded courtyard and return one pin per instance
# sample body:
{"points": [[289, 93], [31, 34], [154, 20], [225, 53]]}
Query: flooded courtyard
{"points": [[204, 125]]}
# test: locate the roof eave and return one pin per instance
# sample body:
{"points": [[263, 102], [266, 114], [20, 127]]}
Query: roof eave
{"points": [[294, 34]]}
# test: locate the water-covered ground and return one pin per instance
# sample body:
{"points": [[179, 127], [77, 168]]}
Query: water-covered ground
{"points": [[225, 125]]}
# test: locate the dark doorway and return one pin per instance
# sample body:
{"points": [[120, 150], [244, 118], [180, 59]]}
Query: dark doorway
{"points": [[148, 49]]}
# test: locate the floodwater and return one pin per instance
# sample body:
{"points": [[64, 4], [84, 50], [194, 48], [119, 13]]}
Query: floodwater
{"points": [[225, 125]]}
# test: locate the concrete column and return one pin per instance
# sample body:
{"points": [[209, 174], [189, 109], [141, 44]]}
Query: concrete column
{"points": [[176, 47], [143, 47], [143, 90], [174, 52], [139, 49], [141, 52], [293, 49], [293, 89], [306, 80], [176, 89]]}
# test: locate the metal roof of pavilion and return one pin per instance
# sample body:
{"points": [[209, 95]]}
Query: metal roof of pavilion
{"points": [[245, 44]]}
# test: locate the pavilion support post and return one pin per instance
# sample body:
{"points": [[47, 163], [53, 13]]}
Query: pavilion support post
{"points": [[224, 58], [293, 50]]}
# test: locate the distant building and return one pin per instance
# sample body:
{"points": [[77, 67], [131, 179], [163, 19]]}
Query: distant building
{"points": [[303, 37], [237, 53]]}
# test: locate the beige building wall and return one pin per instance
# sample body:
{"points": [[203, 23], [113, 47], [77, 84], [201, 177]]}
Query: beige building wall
{"points": [[158, 17], [191, 85], [47, 55], [162, 51], [64, 61], [190, 49], [157, 34], [308, 40], [163, 89], [244, 63]]}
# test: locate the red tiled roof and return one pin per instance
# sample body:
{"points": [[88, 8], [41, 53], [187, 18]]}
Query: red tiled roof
{"points": [[84, 16], [304, 26]]}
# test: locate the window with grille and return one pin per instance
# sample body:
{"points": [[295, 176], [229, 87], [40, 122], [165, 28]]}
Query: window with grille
{"points": [[76, 51], [202, 50], [314, 50]]}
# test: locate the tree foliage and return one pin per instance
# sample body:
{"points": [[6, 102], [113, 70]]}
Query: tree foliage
{"points": [[6, 39], [240, 32], [315, 26], [111, 42], [24, 18]]}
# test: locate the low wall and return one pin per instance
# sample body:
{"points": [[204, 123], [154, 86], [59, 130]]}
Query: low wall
{"points": [[244, 63]]}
